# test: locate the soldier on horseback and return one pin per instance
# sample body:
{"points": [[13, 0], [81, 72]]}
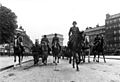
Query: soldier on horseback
{"points": [[45, 39], [73, 43], [55, 39], [18, 47], [55, 47], [73, 32]]}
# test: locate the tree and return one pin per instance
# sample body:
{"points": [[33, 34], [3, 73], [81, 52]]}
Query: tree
{"points": [[8, 24]]}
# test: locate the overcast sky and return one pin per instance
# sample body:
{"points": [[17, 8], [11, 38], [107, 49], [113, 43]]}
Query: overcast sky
{"points": [[39, 17]]}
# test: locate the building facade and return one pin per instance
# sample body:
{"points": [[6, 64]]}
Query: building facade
{"points": [[112, 29], [50, 37], [92, 32]]}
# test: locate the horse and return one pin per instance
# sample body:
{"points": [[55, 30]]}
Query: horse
{"points": [[86, 49], [67, 53], [56, 48], [97, 50], [18, 50], [45, 52], [75, 47]]}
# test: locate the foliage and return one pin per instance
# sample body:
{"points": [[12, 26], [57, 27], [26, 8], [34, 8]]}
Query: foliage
{"points": [[8, 24]]}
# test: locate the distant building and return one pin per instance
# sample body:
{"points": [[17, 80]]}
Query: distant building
{"points": [[50, 37], [92, 32], [112, 31]]}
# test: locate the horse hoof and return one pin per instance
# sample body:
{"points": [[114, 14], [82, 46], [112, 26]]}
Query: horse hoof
{"points": [[97, 61], [45, 63], [77, 70], [14, 60], [55, 63]]}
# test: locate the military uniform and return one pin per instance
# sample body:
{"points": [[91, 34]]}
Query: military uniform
{"points": [[36, 50], [47, 41], [73, 35], [55, 39]]}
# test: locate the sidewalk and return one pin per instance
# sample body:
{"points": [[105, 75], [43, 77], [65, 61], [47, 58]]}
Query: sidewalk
{"points": [[108, 57], [112, 57], [7, 61]]}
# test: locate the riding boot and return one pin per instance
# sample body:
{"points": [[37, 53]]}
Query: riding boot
{"points": [[58, 61]]}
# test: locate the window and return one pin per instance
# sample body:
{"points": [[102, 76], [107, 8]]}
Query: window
{"points": [[119, 19], [119, 31], [119, 37], [115, 32], [115, 38], [110, 45]]}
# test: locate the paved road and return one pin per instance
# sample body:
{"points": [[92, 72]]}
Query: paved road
{"points": [[63, 72]]}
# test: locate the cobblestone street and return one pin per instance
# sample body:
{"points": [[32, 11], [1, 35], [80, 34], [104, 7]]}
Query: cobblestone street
{"points": [[63, 72]]}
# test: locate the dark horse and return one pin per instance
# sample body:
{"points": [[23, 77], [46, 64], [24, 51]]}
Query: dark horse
{"points": [[18, 50], [75, 47], [44, 49], [56, 48], [97, 50]]}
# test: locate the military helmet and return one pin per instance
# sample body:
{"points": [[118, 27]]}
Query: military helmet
{"points": [[74, 22]]}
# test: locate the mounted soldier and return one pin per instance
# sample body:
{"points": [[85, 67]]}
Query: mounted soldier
{"points": [[18, 47], [55, 48], [73, 34], [74, 43], [45, 39]]}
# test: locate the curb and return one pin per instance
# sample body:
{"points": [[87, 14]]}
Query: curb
{"points": [[10, 66], [109, 58]]}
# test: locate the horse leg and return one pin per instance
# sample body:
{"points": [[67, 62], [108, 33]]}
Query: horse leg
{"points": [[73, 61], [89, 55], [84, 56], [14, 57], [70, 60], [58, 59], [55, 60], [103, 57], [77, 61], [79, 54], [98, 57], [22, 55], [19, 57], [94, 58]]}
